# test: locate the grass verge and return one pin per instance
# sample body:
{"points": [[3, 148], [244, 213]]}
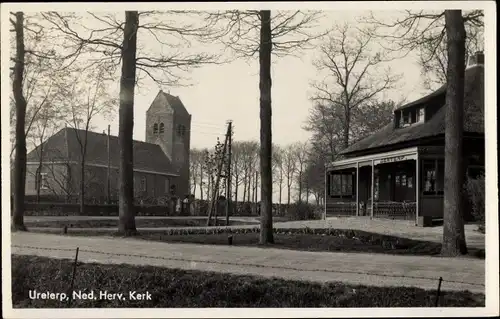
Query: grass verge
{"points": [[171, 288], [140, 223], [306, 239]]}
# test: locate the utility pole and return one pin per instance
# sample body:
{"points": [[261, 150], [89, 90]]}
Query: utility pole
{"points": [[228, 172], [108, 177]]}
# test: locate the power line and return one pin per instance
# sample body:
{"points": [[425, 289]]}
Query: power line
{"points": [[207, 124]]}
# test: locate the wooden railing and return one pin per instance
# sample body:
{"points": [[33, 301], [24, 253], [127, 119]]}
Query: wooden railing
{"points": [[394, 210], [341, 208]]}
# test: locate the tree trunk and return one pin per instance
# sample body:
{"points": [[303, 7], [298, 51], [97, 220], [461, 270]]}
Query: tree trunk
{"points": [[20, 147], [288, 191], [266, 190], [307, 193], [82, 185], [236, 186], [345, 137], [127, 85], [453, 231], [201, 182], [279, 196], [38, 173], [244, 188], [300, 186]]}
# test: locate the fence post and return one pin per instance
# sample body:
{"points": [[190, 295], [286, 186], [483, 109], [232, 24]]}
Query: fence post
{"points": [[73, 277], [438, 290]]}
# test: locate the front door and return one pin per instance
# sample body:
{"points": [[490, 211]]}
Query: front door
{"points": [[404, 186]]}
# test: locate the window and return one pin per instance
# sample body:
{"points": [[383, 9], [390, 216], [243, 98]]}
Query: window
{"points": [[42, 179], [341, 184], [162, 128], [167, 186], [155, 128], [143, 184], [376, 186], [410, 182], [409, 117], [433, 177], [181, 130], [403, 180], [335, 184], [421, 115], [406, 119]]}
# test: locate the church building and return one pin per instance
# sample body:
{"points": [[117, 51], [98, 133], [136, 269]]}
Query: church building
{"points": [[161, 163]]}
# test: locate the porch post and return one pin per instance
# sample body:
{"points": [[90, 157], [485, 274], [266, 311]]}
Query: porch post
{"points": [[417, 189], [373, 189], [357, 189]]}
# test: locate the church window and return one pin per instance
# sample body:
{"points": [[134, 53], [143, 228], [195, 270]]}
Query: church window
{"points": [[162, 128], [181, 130], [155, 128]]}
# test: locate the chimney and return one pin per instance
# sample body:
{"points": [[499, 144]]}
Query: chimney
{"points": [[476, 59]]}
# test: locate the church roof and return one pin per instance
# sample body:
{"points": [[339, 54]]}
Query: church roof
{"points": [[65, 146]]}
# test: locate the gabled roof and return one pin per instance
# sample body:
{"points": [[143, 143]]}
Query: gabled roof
{"points": [[65, 146], [174, 102], [473, 116]]}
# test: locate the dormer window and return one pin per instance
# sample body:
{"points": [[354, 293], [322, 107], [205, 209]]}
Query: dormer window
{"points": [[410, 116], [155, 128], [162, 128], [421, 115], [406, 119]]}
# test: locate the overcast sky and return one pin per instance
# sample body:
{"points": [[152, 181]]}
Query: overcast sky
{"points": [[231, 91], [222, 92]]}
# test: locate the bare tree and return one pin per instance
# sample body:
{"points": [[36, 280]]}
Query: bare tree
{"points": [[47, 121], [453, 232], [126, 224], [41, 76], [355, 75], [423, 32], [237, 168], [314, 174], [252, 32], [434, 69], [196, 170], [20, 103], [86, 98], [248, 156], [278, 172], [301, 157], [290, 168]]}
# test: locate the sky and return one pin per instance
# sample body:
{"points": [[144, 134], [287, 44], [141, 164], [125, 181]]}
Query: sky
{"points": [[231, 92]]}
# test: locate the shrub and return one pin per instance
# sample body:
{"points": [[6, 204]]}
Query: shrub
{"points": [[476, 191], [303, 211]]}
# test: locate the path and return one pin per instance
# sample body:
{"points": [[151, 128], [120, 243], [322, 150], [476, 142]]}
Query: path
{"points": [[397, 228], [288, 264]]}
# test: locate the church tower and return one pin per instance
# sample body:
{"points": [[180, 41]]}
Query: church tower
{"points": [[168, 124]]}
